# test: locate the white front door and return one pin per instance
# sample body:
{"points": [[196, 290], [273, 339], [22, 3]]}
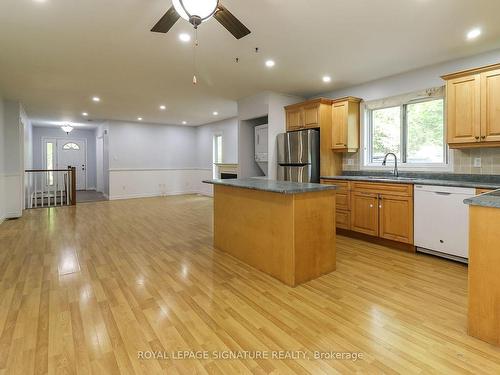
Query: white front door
{"points": [[72, 153]]}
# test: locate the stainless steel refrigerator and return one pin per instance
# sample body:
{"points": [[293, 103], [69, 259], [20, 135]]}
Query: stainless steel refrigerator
{"points": [[298, 156]]}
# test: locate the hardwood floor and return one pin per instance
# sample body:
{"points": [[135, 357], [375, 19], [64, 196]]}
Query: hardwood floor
{"points": [[86, 289]]}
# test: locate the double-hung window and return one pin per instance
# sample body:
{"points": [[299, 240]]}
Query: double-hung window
{"points": [[413, 130]]}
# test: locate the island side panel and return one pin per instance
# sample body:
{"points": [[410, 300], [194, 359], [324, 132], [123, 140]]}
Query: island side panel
{"points": [[314, 233], [484, 274], [257, 228]]}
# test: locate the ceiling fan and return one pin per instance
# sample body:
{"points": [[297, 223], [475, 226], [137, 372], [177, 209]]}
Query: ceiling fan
{"points": [[199, 11]]}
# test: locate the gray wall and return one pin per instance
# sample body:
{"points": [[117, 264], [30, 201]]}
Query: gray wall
{"points": [[415, 80], [148, 146], [46, 132], [205, 133]]}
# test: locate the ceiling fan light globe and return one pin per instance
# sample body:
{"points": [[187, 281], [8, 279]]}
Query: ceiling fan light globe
{"points": [[201, 8]]}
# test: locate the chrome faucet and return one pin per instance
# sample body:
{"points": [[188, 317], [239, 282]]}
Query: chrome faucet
{"points": [[384, 163]]}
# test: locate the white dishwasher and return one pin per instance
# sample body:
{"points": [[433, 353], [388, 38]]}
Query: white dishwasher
{"points": [[442, 221]]}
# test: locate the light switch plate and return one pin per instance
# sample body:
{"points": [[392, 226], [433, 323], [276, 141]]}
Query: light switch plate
{"points": [[477, 162]]}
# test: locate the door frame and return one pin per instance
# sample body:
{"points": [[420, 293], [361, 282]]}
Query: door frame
{"points": [[84, 140]]}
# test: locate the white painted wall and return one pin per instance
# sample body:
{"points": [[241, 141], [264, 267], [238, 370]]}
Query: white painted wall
{"points": [[2, 169], [268, 104], [13, 156], [415, 80], [55, 132]]}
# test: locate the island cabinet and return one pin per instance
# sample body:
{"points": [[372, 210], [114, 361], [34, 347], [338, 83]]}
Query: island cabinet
{"points": [[345, 124], [472, 107]]}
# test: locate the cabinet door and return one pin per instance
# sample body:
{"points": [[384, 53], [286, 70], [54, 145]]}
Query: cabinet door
{"points": [[294, 119], [311, 116], [364, 213], [342, 219], [339, 125], [490, 106], [396, 218], [463, 109]]}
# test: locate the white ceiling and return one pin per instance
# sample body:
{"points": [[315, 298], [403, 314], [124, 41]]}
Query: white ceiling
{"points": [[56, 55]]}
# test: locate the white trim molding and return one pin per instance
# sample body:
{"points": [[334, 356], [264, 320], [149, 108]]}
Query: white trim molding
{"points": [[152, 182]]}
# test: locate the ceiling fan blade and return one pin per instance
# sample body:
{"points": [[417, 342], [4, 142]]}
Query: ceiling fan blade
{"points": [[231, 23], [167, 21]]}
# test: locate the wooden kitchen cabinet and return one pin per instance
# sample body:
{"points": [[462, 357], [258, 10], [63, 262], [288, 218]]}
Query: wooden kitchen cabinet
{"points": [[308, 115], [294, 119], [472, 107], [364, 213], [345, 125], [396, 218], [490, 106], [316, 114], [343, 203]]}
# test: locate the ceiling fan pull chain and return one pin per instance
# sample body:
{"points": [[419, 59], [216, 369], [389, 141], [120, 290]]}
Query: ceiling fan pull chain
{"points": [[195, 80]]}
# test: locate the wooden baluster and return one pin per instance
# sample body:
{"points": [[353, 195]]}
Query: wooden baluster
{"points": [[73, 186]]}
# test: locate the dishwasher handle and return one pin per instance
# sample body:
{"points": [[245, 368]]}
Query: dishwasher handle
{"points": [[442, 193]]}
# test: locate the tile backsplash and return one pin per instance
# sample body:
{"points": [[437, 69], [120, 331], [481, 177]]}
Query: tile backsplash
{"points": [[463, 161]]}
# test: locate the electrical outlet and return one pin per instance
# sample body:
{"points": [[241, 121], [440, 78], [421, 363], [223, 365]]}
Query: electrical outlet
{"points": [[124, 187], [477, 162], [350, 162]]}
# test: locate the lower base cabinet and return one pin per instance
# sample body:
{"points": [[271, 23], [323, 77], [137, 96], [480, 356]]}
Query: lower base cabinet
{"points": [[376, 209], [396, 218], [364, 213]]}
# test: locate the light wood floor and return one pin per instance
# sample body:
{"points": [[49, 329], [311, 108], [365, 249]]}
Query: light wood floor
{"points": [[84, 289]]}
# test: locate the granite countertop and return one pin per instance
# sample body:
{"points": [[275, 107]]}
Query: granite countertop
{"points": [[485, 200], [466, 181], [282, 187]]}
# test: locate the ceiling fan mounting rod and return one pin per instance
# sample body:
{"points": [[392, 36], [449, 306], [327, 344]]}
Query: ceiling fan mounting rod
{"points": [[197, 20]]}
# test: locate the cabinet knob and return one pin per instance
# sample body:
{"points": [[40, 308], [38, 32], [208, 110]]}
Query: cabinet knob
{"points": [[477, 137], [380, 206], [483, 137], [371, 205]]}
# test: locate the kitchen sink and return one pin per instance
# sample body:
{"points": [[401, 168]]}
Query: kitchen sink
{"points": [[390, 178]]}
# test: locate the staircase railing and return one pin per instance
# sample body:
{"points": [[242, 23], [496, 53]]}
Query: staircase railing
{"points": [[50, 187]]}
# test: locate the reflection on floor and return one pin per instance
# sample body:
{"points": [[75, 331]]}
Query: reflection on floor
{"points": [[122, 286], [84, 196]]}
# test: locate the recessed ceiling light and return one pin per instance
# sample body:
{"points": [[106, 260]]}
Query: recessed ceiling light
{"points": [[96, 99], [85, 114], [270, 63], [162, 107], [215, 113], [139, 118], [474, 33], [327, 79], [40, 1], [184, 37], [184, 122]]}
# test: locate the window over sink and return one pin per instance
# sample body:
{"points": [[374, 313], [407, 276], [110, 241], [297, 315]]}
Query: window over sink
{"points": [[411, 129]]}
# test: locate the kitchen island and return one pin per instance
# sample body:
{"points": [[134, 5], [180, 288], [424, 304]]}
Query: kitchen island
{"points": [[284, 229], [484, 265]]}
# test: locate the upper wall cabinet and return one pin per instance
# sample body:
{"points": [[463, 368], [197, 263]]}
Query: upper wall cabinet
{"points": [[473, 107], [307, 115], [345, 124]]}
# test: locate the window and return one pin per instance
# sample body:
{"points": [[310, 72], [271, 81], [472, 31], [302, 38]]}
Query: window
{"points": [[50, 162], [413, 131], [217, 148], [71, 146]]}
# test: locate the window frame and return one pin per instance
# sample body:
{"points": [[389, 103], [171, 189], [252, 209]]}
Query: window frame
{"points": [[367, 148]]}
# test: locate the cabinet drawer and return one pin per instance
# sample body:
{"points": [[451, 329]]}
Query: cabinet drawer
{"points": [[343, 201], [341, 184], [343, 219], [404, 190]]}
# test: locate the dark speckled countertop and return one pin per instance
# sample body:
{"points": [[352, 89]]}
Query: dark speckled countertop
{"points": [[485, 200], [419, 178], [282, 187]]}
